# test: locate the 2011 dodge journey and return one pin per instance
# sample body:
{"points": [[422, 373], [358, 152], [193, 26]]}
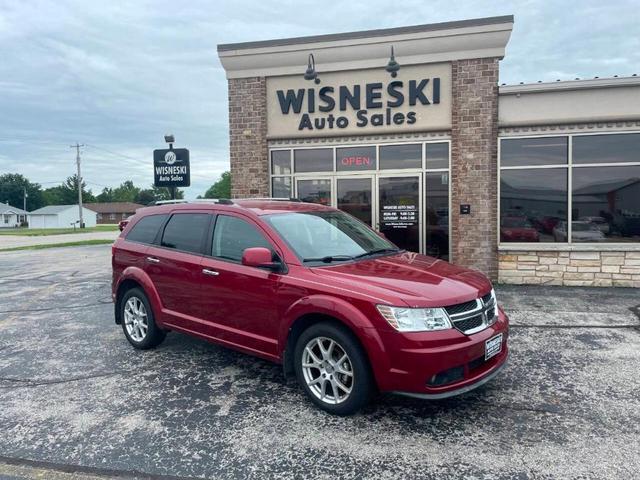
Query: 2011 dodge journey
{"points": [[311, 288]]}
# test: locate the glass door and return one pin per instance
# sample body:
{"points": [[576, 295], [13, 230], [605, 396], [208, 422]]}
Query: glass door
{"points": [[314, 190], [399, 207], [354, 195], [436, 185]]}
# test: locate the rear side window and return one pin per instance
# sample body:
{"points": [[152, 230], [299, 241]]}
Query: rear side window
{"points": [[186, 232], [146, 229], [233, 235]]}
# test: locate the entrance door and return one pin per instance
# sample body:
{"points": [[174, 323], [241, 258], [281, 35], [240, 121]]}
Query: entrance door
{"points": [[354, 195], [315, 190], [399, 205]]}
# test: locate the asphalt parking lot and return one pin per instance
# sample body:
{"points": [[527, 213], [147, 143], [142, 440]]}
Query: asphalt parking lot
{"points": [[74, 396]]}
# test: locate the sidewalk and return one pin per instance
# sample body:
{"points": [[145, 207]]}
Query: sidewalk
{"points": [[11, 241]]}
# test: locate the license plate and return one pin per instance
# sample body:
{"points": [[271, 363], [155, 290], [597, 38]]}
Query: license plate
{"points": [[493, 346]]}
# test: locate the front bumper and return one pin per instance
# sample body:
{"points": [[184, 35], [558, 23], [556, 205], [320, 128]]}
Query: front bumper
{"points": [[439, 364]]}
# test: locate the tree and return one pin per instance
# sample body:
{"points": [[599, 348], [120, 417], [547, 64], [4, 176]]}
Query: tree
{"points": [[126, 192], [155, 194], [12, 187], [67, 193], [106, 195], [220, 189]]}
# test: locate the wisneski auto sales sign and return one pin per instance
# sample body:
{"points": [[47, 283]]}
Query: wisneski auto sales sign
{"points": [[360, 102], [171, 168]]}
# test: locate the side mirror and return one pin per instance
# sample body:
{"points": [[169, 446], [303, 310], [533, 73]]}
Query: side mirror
{"points": [[259, 257]]}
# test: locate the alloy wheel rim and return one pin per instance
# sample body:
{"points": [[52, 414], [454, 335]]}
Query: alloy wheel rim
{"points": [[135, 319], [327, 370]]}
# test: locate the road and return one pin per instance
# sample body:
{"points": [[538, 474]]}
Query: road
{"points": [[75, 395], [12, 241]]}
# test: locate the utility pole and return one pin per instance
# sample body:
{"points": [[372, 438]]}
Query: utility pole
{"points": [[77, 147], [24, 203]]}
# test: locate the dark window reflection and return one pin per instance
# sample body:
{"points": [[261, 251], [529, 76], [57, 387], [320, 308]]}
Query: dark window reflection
{"points": [[437, 215], [533, 203], [400, 156], [606, 204], [624, 147], [523, 152], [437, 155], [356, 158], [313, 160], [280, 162], [315, 191], [281, 187], [354, 197]]}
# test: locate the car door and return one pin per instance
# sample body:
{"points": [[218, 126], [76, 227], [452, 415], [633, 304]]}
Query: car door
{"points": [[174, 267], [240, 300]]}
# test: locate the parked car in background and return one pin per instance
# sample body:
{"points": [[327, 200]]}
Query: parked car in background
{"points": [[581, 232], [598, 222], [314, 289], [123, 223], [517, 229]]}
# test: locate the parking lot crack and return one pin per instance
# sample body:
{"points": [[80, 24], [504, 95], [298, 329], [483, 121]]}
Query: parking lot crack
{"points": [[24, 383]]}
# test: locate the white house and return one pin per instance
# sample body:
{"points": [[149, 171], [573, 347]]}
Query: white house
{"points": [[61, 216], [11, 217]]}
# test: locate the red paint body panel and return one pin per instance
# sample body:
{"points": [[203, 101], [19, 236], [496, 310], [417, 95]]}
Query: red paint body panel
{"points": [[253, 309]]}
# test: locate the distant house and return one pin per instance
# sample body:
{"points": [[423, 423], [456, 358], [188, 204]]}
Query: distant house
{"points": [[113, 212], [61, 216], [11, 217]]}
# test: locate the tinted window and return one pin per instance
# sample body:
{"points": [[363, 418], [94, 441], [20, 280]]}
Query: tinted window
{"points": [[401, 156], [315, 191], [606, 148], [186, 231], [280, 162], [437, 214], [281, 187], [232, 236], [533, 151], [356, 158], [437, 155], [533, 202], [146, 229], [313, 160], [606, 204]]}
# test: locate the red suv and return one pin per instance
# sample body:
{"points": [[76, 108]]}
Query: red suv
{"points": [[314, 289]]}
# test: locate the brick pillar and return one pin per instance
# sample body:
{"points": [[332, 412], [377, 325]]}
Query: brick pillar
{"points": [[474, 164], [248, 137]]}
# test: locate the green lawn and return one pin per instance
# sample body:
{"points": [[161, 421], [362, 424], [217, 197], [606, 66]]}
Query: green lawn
{"points": [[37, 232], [56, 245]]}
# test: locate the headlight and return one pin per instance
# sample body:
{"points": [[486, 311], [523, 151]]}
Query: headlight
{"points": [[415, 319]]}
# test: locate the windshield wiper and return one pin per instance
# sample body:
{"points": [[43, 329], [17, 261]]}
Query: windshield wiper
{"points": [[330, 258], [377, 250]]}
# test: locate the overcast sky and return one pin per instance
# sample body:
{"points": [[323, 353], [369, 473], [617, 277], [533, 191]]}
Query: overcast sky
{"points": [[117, 75]]}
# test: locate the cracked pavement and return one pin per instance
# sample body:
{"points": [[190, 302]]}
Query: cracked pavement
{"points": [[75, 397]]}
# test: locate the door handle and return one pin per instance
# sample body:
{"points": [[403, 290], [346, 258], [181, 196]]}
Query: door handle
{"points": [[211, 273], [153, 260]]}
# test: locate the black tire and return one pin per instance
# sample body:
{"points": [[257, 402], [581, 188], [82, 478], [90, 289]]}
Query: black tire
{"points": [[361, 382], [154, 336]]}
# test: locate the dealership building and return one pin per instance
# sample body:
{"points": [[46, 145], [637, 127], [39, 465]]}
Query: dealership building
{"points": [[409, 130]]}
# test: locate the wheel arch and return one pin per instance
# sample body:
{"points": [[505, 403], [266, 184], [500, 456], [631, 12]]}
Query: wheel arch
{"points": [[136, 278]]}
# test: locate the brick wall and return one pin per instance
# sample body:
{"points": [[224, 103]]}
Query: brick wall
{"points": [[593, 269], [474, 163], [248, 137]]}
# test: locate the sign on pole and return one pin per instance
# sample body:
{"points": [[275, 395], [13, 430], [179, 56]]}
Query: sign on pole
{"points": [[171, 168]]}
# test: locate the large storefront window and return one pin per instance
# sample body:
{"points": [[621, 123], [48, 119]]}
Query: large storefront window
{"points": [[603, 204], [401, 190]]}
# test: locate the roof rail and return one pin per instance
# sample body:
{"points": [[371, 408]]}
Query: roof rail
{"points": [[221, 201], [165, 202], [274, 199]]}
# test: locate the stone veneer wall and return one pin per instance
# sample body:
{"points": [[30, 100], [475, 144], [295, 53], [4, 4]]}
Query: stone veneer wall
{"points": [[248, 137], [575, 268], [474, 163]]}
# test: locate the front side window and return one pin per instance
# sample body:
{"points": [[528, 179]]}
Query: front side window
{"points": [[186, 232], [232, 236], [146, 229], [329, 236]]}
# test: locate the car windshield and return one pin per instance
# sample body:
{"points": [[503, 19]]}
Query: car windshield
{"points": [[328, 236]]}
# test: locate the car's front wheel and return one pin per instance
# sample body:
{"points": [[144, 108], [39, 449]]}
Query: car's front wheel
{"points": [[332, 368], [138, 323]]}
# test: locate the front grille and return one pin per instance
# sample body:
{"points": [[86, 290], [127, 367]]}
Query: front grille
{"points": [[487, 298], [461, 307], [468, 323]]}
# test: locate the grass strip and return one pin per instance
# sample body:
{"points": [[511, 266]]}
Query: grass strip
{"points": [[56, 245]]}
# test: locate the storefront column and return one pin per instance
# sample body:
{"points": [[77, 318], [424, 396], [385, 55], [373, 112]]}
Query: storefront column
{"points": [[248, 137], [474, 164]]}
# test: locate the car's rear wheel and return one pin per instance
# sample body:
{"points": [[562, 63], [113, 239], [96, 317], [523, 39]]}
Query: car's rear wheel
{"points": [[138, 323], [332, 369]]}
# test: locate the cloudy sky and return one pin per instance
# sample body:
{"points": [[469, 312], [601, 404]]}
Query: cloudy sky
{"points": [[117, 75]]}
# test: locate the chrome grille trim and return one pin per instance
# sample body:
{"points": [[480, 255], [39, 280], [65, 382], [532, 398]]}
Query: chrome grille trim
{"points": [[481, 308]]}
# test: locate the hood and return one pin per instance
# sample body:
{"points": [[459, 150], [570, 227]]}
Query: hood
{"points": [[416, 280]]}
